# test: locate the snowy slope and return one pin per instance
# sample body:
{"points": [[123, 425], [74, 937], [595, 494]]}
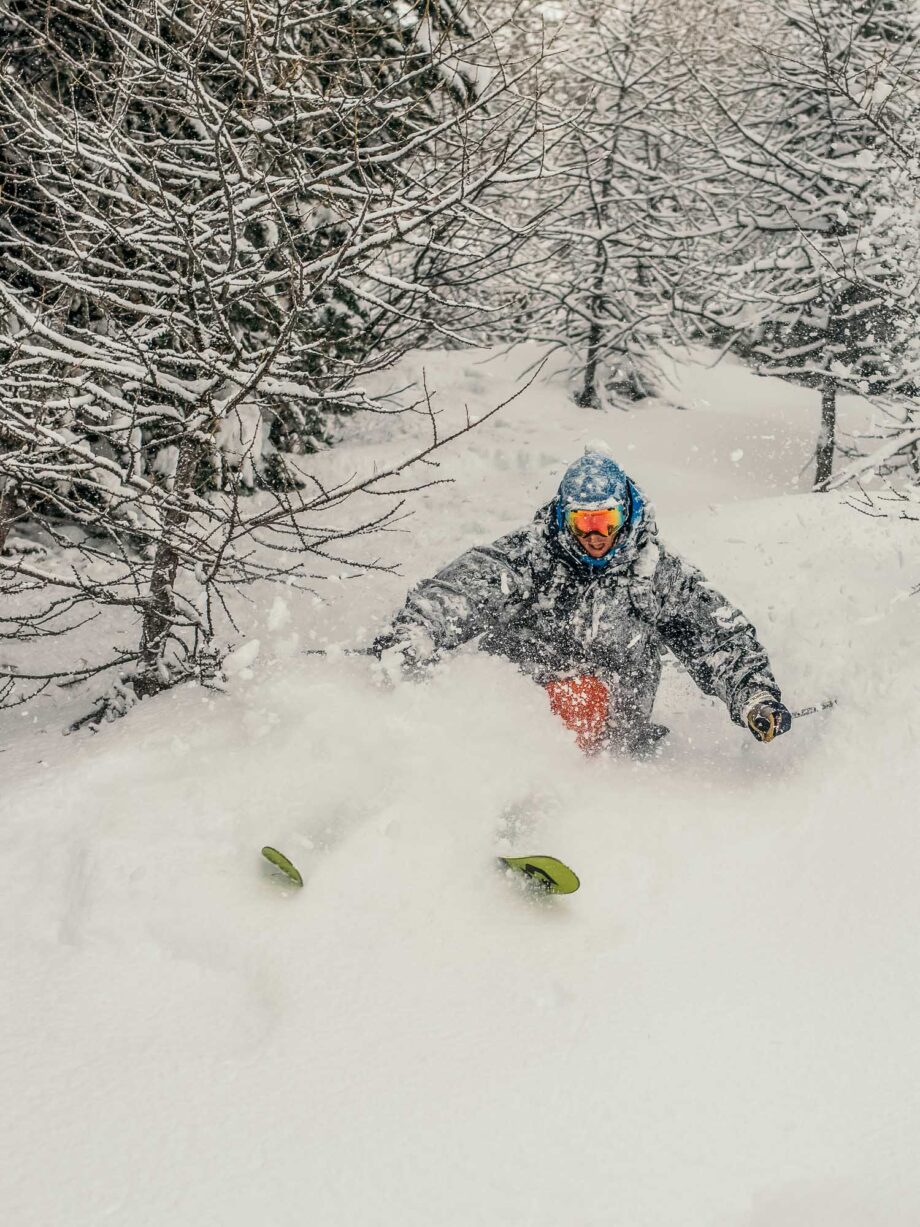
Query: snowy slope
{"points": [[719, 1028]]}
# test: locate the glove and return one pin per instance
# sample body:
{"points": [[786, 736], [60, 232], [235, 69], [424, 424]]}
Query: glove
{"points": [[392, 667], [406, 657], [767, 719]]}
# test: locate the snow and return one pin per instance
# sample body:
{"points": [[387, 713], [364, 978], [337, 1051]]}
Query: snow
{"points": [[719, 1028], [239, 662]]}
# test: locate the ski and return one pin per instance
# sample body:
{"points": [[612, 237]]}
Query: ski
{"points": [[544, 873], [280, 861]]}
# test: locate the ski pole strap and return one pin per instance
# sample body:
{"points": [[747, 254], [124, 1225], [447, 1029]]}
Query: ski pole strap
{"points": [[810, 711]]}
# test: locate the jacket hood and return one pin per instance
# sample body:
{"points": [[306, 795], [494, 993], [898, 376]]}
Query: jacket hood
{"points": [[596, 480]]}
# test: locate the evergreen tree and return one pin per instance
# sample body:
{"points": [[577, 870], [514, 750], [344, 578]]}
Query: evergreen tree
{"points": [[825, 290]]}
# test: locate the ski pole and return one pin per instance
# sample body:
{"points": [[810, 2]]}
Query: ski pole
{"points": [[337, 651], [810, 711]]}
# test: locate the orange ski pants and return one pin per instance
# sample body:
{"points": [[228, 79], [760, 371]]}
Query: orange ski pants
{"points": [[582, 704]]}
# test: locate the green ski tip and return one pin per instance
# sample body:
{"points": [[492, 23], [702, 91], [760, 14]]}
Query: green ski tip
{"points": [[543, 872], [281, 862]]}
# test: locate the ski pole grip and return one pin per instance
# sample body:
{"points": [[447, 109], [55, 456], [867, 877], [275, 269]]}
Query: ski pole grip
{"points": [[764, 726]]}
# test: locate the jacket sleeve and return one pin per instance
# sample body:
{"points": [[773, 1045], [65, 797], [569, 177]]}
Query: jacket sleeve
{"points": [[482, 587], [712, 639]]}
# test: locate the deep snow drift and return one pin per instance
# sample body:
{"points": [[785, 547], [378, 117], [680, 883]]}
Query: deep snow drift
{"points": [[719, 1028]]}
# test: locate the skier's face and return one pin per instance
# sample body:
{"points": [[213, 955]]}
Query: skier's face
{"points": [[595, 544], [596, 531]]}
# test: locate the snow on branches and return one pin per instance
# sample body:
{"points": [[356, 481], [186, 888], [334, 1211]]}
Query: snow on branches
{"points": [[218, 219], [815, 133]]}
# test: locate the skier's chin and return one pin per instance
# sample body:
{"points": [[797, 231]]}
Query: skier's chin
{"points": [[598, 548]]}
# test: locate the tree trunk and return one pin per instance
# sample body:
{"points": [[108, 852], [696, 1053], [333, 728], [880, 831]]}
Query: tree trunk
{"points": [[587, 398], [827, 437], [6, 518], [160, 604]]}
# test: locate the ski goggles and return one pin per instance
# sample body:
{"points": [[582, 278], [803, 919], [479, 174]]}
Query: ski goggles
{"points": [[608, 521]]}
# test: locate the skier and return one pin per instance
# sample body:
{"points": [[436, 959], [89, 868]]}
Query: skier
{"points": [[585, 599]]}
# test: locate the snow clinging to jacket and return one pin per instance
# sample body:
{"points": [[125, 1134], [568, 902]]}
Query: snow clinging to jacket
{"points": [[535, 597]]}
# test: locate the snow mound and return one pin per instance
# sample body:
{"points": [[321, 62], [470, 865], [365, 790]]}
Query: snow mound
{"points": [[720, 1027]]}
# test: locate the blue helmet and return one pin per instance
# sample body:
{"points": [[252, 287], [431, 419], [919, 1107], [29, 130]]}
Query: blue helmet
{"points": [[597, 481]]}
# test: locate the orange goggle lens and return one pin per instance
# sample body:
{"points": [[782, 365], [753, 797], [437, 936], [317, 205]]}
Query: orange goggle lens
{"points": [[608, 522]]}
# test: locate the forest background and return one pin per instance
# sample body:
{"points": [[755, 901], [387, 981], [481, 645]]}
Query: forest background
{"points": [[221, 223]]}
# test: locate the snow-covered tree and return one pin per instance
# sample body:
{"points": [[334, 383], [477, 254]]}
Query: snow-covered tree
{"points": [[825, 287], [629, 193], [213, 217], [290, 123]]}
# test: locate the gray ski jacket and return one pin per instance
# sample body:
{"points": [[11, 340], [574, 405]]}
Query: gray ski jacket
{"points": [[529, 597]]}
